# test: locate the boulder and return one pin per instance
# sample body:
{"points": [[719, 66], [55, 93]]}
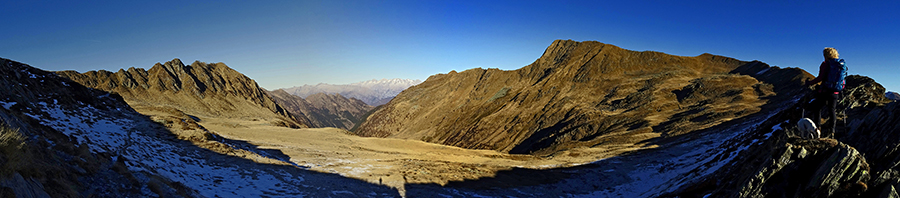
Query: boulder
{"points": [[807, 168]]}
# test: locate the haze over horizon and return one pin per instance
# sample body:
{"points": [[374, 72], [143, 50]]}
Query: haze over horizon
{"points": [[292, 43]]}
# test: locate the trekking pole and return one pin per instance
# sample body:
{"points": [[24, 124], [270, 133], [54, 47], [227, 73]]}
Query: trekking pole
{"points": [[844, 112]]}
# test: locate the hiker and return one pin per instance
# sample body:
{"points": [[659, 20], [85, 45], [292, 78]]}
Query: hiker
{"points": [[832, 72]]}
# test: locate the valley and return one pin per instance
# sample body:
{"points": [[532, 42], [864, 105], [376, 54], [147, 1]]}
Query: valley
{"points": [[670, 125], [449, 99], [392, 162]]}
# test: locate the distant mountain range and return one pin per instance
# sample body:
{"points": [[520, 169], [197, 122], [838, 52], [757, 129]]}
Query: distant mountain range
{"points": [[373, 92], [323, 110]]}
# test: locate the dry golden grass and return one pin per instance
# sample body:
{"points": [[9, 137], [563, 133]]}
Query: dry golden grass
{"points": [[394, 162], [187, 127], [13, 150]]}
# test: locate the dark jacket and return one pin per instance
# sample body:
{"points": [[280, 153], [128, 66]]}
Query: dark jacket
{"points": [[823, 74]]}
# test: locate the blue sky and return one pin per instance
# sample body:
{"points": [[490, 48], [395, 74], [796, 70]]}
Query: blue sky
{"points": [[288, 43]]}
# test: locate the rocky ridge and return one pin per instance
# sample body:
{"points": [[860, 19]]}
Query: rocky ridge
{"points": [[582, 94], [200, 89], [859, 161], [323, 110]]}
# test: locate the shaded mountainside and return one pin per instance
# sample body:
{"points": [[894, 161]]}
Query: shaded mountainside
{"points": [[202, 89], [372, 92], [582, 94], [323, 110], [37, 160], [892, 95]]}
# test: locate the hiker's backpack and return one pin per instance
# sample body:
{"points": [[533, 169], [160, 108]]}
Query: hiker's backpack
{"points": [[837, 72]]}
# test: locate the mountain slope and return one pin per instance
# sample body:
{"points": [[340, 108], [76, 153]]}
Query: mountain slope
{"points": [[323, 110], [372, 92], [41, 159], [84, 142], [199, 89], [582, 94]]}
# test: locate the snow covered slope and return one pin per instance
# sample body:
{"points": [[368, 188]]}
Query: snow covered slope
{"points": [[105, 124], [147, 148]]}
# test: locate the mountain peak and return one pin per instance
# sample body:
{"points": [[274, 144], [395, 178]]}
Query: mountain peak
{"points": [[201, 89], [580, 93]]}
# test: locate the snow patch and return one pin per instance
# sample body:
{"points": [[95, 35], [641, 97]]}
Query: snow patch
{"points": [[763, 71], [7, 105], [213, 175]]}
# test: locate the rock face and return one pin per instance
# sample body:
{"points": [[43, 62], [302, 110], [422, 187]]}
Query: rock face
{"points": [[323, 110], [862, 91], [581, 94], [801, 168], [213, 90], [372, 92], [875, 132]]}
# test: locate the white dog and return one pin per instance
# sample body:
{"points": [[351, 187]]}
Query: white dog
{"points": [[808, 129]]}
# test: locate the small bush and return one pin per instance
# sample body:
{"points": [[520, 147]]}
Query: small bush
{"points": [[12, 150]]}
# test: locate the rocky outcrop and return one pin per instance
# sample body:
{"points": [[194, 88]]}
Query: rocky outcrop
{"points": [[207, 89], [861, 91], [861, 160], [801, 168], [875, 132], [582, 94], [372, 92], [323, 110]]}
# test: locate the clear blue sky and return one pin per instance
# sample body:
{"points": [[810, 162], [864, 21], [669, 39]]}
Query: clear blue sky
{"points": [[289, 43]]}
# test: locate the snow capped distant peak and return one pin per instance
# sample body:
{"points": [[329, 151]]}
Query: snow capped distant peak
{"points": [[384, 81], [373, 92]]}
